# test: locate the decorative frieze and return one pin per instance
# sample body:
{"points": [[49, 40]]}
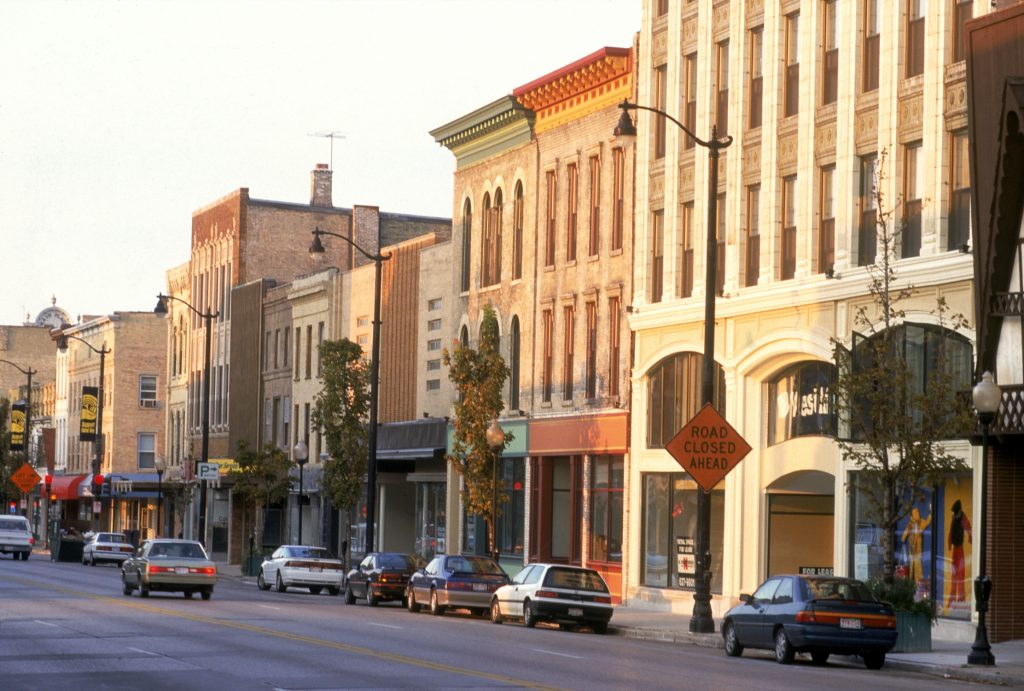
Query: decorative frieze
{"points": [[686, 179], [659, 46], [720, 21], [689, 34], [788, 148], [825, 142], [657, 191], [752, 163], [755, 12], [865, 130], [911, 118]]}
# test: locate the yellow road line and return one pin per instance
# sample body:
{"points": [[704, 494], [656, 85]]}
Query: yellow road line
{"points": [[345, 647]]}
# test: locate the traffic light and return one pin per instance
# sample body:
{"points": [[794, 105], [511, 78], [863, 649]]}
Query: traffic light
{"points": [[97, 485], [12, 507], [48, 483]]}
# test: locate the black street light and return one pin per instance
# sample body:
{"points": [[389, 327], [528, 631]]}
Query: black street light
{"points": [[301, 454], [496, 440], [987, 395], [97, 445], [27, 432], [160, 467], [701, 621], [207, 316], [371, 454]]}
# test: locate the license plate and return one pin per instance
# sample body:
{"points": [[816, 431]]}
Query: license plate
{"points": [[575, 611], [479, 586], [181, 569], [850, 623], [315, 569]]}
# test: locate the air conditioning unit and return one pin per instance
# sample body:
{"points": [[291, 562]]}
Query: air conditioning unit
{"points": [[148, 403]]}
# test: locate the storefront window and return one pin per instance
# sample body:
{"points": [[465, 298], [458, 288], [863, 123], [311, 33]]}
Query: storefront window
{"points": [[673, 395], [606, 509], [430, 518], [801, 402], [670, 531], [512, 516]]}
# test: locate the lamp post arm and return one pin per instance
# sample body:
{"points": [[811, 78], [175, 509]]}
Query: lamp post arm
{"points": [[372, 257], [203, 315], [713, 143]]}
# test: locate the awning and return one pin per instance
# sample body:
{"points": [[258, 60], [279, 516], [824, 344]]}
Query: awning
{"points": [[66, 486], [409, 440]]}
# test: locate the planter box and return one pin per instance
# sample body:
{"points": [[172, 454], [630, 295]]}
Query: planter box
{"points": [[915, 633]]}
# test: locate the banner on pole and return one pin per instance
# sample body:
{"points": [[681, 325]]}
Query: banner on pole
{"points": [[18, 427], [90, 407]]}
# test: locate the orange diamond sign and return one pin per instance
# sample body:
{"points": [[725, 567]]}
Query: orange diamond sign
{"points": [[25, 478], [707, 447]]}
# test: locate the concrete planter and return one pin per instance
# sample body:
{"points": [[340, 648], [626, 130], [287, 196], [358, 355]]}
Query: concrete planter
{"points": [[915, 633]]}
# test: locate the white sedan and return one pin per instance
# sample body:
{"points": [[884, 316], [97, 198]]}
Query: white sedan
{"points": [[569, 596], [303, 567], [112, 547]]}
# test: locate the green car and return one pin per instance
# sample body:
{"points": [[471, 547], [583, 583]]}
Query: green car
{"points": [[176, 566]]}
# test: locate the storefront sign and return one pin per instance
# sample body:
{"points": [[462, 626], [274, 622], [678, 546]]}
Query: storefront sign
{"points": [[707, 447], [686, 562], [816, 571]]}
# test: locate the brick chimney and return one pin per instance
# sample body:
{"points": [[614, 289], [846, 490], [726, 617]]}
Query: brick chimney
{"points": [[320, 186], [366, 228]]}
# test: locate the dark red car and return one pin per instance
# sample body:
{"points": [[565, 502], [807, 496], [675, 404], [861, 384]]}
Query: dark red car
{"points": [[381, 576]]}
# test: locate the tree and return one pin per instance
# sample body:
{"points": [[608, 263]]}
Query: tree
{"points": [[895, 422], [8, 464], [341, 409], [479, 378], [261, 479]]}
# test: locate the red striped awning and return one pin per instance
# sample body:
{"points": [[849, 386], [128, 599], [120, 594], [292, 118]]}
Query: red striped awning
{"points": [[66, 486]]}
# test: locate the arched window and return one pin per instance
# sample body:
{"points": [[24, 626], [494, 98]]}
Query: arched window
{"points": [[499, 205], [673, 395], [801, 402], [513, 365], [517, 231], [464, 336], [487, 244], [467, 235]]}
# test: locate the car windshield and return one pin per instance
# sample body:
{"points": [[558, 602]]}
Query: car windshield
{"points": [[575, 578], [406, 562], [308, 552], [177, 550], [838, 589], [478, 565], [111, 537], [13, 524]]}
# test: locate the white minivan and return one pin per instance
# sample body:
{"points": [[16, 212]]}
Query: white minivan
{"points": [[16, 537]]}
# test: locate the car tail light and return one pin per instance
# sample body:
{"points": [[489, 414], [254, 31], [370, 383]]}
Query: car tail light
{"points": [[547, 593], [126, 549], [387, 578], [206, 570], [103, 549], [603, 599], [153, 568], [31, 541], [459, 585], [330, 567]]}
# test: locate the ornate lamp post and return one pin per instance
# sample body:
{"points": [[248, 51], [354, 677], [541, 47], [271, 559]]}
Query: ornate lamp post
{"points": [[301, 454], [496, 440], [28, 402], [371, 454], [987, 395], [207, 316], [701, 621], [160, 467]]}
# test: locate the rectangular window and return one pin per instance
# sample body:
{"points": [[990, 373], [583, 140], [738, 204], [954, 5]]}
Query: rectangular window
{"points": [[309, 351], [286, 356], [433, 325], [753, 248], [147, 390], [433, 384], [268, 350], [433, 365], [867, 235], [595, 205], [690, 98], [568, 350], [434, 344], [962, 11], [789, 211], [277, 346], [512, 519], [792, 80], [319, 344], [547, 363], [434, 304], [685, 285], [872, 41], [720, 246], [660, 102], [756, 86], [549, 246], [830, 55], [362, 321], [915, 37], [275, 423], [606, 502], [722, 82], [662, 8], [363, 339], [591, 350], [614, 344], [147, 450], [827, 215], [960, 193], [298, 350], [286, 422], [268, 421], [657, 255], [517, 233], [572, 217], [913, 192], [618, 222]]}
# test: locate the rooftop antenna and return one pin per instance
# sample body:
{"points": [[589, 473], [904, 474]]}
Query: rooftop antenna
{"points": [[332, 136]]}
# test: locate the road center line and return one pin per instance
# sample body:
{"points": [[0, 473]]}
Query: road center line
{"points": [[269, 607], [552, 652], [46, 623], [385, 626], [144, 652]]}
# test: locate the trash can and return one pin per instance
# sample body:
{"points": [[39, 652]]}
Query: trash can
{"points": [[70, 549]]}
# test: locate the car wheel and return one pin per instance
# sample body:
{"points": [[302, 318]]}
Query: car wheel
{"points": [[207, 594], [261, 581], [819, 657], [143, 591], [92, 560], [600, 627], [435, 607], [529, 620], [281, 587], [25, 556], [85, 562], [371, 598], [733, 647], [783, 648], [316, 589], [189, 594], [334, 590], [125, 588], [874, 660], [410, 601], [350, 597], [496, 616]]}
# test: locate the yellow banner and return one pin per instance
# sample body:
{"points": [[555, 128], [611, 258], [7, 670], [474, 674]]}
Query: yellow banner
{"points": [[18, 427], [90, 408]]}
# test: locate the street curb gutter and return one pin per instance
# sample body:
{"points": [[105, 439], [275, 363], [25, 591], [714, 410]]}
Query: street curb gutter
{"points": [[710, 640]]}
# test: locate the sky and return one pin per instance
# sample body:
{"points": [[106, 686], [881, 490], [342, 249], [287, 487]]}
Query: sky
{"points": [[118, 120]]}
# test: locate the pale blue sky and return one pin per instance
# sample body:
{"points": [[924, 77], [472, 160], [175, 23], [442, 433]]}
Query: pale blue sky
{"points": [[119, 119]]}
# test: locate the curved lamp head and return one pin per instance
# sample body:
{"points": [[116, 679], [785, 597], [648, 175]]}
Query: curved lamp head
{"points": [[495, 436], [62, 343], [986, 395], [317, 247], [160, 466], [301, 452], [161, 305], [625, 130]]}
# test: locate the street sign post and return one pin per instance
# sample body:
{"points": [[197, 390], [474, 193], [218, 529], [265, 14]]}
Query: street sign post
{"points": [[707, 447], [207, 471], [25, 478]]}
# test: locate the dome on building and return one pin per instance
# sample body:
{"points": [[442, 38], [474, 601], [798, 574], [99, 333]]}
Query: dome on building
{"points": [[53, 316]]}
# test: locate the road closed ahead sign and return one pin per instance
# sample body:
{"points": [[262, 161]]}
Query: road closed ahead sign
{"points": [[707, 447]]}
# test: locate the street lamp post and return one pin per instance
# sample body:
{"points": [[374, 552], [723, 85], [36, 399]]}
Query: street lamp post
{"points": [[207, 316], [371, 454], [701, 621], [27, 430], [97, 445], [496, 440], [301, 454], [160, 468], [987, 395]]}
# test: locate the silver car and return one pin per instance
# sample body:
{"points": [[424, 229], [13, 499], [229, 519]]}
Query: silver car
{"points": [[177, 566], [110, 547], [16, 537]]}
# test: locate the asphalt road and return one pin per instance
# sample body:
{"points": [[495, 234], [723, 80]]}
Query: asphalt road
{"points": [[67, 626]]}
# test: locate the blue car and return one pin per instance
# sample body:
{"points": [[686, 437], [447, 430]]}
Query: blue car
{"points": [[453, 581], [820, 615]]}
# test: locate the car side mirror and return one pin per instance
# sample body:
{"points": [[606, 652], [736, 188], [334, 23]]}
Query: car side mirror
{"points": [[746, 599]]}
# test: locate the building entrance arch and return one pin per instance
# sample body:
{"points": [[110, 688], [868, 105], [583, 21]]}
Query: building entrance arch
{"points": [[800, 510]]}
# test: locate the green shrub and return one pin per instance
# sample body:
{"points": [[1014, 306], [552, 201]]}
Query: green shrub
{"points": [[900, 594]]}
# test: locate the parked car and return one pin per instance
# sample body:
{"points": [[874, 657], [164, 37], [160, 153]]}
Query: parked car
{"points": [[569, 596], [381, 576], [451, 581], [167, 565], [303, 567], [16, 537], [112, 547], [820, 615]]}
